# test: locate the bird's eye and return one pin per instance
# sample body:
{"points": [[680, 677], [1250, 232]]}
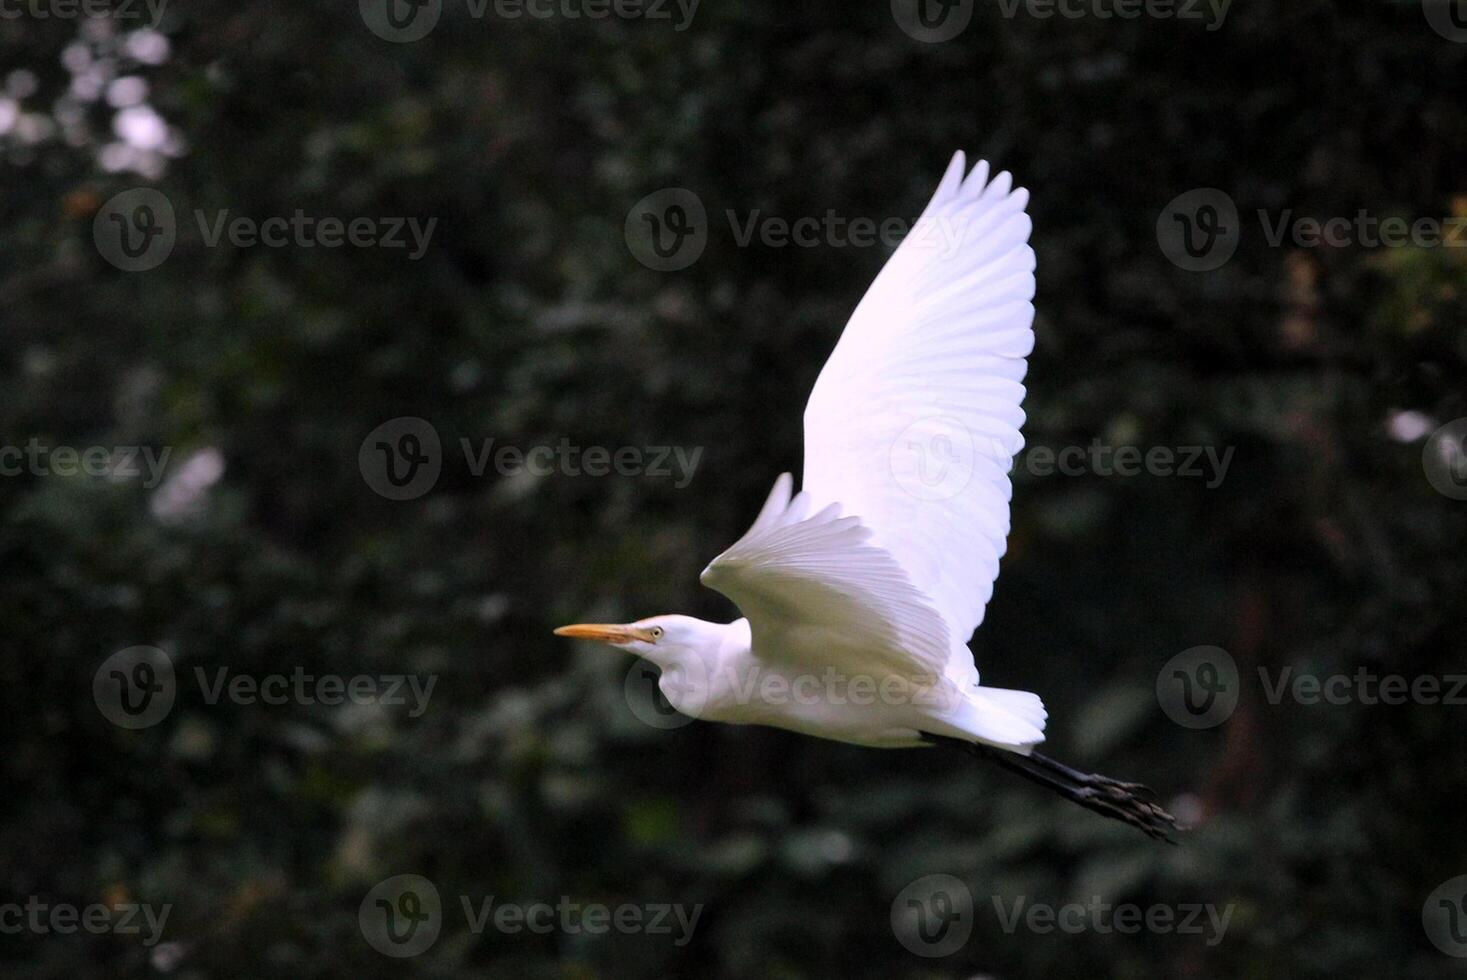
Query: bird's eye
{"points": [[656, 632]]}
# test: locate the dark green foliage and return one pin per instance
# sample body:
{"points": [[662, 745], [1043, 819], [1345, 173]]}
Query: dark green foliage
{"points": [[527, 320]]}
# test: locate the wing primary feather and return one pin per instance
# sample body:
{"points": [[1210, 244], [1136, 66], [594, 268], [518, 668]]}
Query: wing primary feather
{"points": [[926, 384]]}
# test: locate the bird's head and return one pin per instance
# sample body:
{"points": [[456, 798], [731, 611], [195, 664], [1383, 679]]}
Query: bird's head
{"points": [[664, 640]]}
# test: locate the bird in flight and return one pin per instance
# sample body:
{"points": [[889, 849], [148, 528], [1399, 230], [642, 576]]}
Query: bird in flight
{"points": [[860, 592]]}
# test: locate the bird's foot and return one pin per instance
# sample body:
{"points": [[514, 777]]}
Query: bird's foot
{"points": [[1095, 779], [1126, 802]]}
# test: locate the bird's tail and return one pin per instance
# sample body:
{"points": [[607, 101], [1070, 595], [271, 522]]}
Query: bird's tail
{"points": [[1129, 803], [1002, 718]]}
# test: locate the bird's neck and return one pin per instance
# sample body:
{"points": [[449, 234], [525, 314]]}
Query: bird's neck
{"points": [[737, 637], [699, 681]]}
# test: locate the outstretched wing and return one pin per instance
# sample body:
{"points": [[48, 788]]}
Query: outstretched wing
{"points": [[914, 421], [814, 588]]}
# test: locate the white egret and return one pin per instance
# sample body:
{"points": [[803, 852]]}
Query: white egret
{"points": [[860, 592]]}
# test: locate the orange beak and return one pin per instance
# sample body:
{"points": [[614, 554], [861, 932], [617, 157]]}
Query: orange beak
{"points": [[605, 633]]}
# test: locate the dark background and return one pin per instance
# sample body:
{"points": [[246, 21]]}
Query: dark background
{"points": [[1323, 827]]}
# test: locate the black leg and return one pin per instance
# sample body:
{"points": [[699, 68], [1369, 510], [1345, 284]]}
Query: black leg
{"points": [[1127, 802], [1085, 778]]}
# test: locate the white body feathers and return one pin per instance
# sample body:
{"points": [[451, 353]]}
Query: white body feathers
{"points": [[866, 586]]}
